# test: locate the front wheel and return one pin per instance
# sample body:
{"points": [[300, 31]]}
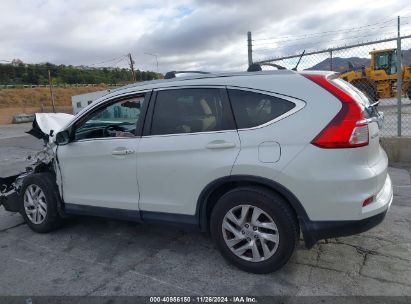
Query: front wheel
{"points": [[255, 229], [39, 198]]}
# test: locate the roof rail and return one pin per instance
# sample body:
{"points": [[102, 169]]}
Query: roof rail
{"points": [[172, 74], [256, 67]]}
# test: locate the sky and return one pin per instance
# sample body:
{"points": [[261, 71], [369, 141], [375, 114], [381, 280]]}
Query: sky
{"points": [[187, 34]]}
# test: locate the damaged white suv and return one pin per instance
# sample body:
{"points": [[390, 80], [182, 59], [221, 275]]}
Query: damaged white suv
{"points": [[252, 158]]}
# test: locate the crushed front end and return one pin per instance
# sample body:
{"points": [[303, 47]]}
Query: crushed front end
{"points": [[10, 186], [44, 126]]}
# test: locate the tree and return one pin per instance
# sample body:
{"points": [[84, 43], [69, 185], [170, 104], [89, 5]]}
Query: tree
{"points": [[19, 73]]}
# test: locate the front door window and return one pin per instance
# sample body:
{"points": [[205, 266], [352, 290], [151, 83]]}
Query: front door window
{"points": [[118, 119]]}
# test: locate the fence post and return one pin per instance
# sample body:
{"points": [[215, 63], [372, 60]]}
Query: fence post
{"points": [[250, 49], [331, 60], [399, 81]]}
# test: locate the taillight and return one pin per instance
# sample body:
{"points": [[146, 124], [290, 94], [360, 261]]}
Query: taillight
{"points": [[349, 128]]}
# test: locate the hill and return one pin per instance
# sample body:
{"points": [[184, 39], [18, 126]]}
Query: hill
{"points": [[341, 64], [19, 73]]}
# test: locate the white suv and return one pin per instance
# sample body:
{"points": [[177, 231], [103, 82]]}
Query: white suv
{"points": [[252, 158]]}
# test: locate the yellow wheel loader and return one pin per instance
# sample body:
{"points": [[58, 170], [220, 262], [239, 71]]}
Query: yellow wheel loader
{"points": [[379, 80]]}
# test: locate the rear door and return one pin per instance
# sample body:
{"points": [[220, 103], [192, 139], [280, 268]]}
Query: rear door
{"points": [[189, 140]]}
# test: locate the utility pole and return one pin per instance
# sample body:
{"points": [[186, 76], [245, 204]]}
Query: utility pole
{"points": [[132, 67], [250, 49], [399, 80], [51, 93]]}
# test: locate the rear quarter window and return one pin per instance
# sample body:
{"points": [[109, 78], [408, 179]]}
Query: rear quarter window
{"points": [[252, 109]]}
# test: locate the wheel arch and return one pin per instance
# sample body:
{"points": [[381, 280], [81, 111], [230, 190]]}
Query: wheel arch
{"points": [[214, 190]]}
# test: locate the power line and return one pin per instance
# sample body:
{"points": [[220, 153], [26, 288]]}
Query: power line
{"points": [[333, 31], [316, 42], [319, 41], [315, 35], [109, 60], [334, 49], [122, 59]]}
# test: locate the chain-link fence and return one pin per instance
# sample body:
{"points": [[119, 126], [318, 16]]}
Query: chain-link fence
{"points": [[373, 68]]}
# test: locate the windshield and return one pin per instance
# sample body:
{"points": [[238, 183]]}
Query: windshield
{"points": [[386, 61]]}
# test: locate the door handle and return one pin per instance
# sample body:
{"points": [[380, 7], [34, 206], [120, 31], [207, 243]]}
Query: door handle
{"points": [[122, 152], [220, 144]]}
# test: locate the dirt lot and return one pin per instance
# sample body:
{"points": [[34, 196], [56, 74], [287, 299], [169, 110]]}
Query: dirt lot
{"points": [[90, 256], [34, 100], [35, 97]]}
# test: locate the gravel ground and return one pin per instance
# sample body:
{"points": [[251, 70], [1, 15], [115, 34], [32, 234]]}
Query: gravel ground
{"points": [[91, 256]]}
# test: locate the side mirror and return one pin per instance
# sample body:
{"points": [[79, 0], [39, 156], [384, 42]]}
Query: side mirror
{"points": [[62, 138]]}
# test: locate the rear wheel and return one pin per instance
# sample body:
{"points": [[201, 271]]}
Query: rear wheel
{"points": [[254, 229], [39, 198]]}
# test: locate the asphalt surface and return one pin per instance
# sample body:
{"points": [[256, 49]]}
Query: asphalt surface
{"points": [[91, 256]]}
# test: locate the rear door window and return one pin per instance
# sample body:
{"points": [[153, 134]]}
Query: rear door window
{"points": [[191, 111], [252, 109]]}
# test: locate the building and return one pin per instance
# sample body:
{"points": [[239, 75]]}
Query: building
{"points": [[79, 102]]}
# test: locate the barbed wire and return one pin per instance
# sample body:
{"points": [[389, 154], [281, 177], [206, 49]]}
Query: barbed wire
{"points": [[324, 32], [314, 43], [307, 45], [329, 34]]}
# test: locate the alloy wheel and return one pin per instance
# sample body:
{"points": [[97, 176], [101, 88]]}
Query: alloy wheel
{"points": [[35, 204], [250, 233]]}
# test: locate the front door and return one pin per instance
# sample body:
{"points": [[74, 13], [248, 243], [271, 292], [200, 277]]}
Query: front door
{"points": [[98, 168]]}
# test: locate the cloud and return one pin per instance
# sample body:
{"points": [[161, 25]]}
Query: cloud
{"points": [[185, 34]]}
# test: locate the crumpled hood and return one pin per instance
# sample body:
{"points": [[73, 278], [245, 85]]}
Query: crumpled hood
{"points": [[44, 123]]}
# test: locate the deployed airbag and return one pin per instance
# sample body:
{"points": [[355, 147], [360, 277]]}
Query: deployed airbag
{"points": [[47, 125]]}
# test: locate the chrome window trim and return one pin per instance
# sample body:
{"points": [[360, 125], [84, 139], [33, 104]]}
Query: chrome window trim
{"points": [[194, 86], [105, 138], [191, 133]]}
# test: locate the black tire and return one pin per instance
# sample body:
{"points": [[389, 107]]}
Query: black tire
{"points": [[276, 207], [409, 90], [47, 183]]}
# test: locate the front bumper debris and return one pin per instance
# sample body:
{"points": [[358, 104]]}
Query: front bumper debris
{"points": [[10, 191]]}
